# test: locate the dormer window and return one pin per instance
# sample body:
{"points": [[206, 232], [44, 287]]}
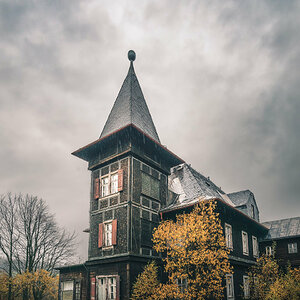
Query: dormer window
{"points": [[252, 211]]}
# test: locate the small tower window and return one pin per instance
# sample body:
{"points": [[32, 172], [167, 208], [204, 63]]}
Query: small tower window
{"points": [[108, 234], [114, 183], [105, 186]]}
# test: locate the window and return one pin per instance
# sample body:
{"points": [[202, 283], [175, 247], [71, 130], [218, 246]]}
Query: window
{"points": [[67, 290], [114, 183], [107, 288], [108, 184], [228, 236], [269, 250], [245, 243], [246, 287], [292, 248], [255, 246], [150, 186], [105, 186], [77, 290], [229, 286], [252, 211], [107, 235], [182, 284]]}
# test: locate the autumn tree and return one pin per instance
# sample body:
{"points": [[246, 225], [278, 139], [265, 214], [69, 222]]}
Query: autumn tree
{"points": [[195, 254], [146, 283], [268, 282], [39, 285], [148, 287]]}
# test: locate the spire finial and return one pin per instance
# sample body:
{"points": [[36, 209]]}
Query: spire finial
{"points": [[131, 55]]}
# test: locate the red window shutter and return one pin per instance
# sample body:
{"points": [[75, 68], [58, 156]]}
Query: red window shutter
{"points": [[120, 180], [93, 288], [100, 235], [96, 188], [114, 232], [117, 287]]}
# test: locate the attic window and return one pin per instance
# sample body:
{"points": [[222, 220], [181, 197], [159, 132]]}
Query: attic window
{"points": [[252, 211]]}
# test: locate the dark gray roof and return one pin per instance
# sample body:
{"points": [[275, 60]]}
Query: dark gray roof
{"points": [[240, 198], [190, 185], [130, 108], [283, 228]]}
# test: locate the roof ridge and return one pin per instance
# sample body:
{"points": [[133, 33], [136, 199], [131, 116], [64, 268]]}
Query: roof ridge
{"points": [[280, 220]]}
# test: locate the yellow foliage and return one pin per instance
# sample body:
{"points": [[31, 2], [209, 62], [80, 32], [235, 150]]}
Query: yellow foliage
{"points": [[195, 252], [37, 285], [268, 283], [3, 285], [146, 283]]}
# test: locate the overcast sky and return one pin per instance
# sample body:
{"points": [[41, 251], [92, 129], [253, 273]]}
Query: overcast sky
{"points": [[221, 79]]}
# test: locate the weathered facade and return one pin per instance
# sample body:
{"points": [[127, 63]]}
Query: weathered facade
{"points": [[135, 181]]}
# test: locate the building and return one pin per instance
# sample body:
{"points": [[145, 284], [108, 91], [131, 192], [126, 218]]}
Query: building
{"points": [[286, 234], [135, 181]]}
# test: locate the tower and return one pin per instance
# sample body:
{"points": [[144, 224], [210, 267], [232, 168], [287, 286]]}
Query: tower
{"points": [[129, 184]]}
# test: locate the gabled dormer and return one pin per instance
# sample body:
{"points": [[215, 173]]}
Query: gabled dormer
{"points": [[245, 202]]}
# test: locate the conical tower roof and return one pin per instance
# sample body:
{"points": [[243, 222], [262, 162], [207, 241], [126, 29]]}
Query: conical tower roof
{"points": [[130, 107]]}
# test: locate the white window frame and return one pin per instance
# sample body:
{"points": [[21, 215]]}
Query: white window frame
{"points": [[228, 236], [255, 246], [111, 287], [246, 286], [245, 243], [229, 281], [114, 179], [182, 284], [63, 288], [292, 248], [105, 186], [269, 250], [107, 233], [77, 290]]}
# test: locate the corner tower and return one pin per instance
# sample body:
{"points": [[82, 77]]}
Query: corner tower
{"points": [[129, 182]]}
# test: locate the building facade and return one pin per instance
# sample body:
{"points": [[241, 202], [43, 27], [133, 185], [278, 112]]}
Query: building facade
{"points": [[136, 181]]}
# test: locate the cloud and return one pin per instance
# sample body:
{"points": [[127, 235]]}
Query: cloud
{"points": [[221, 76]]}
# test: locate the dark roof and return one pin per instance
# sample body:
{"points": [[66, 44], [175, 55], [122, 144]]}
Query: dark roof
{"points": [[130, 108], [283, 228], [240, 198], [189, 185]]}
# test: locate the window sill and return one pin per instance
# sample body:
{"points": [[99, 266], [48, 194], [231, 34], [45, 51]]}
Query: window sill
{"points": [[108, 196], [107, 248]]}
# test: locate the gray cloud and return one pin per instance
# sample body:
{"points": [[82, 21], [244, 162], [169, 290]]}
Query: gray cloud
{"points": [[220, 78]]}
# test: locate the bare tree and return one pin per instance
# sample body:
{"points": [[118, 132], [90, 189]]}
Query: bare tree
{"points": [[8, 233], [29, 236]]}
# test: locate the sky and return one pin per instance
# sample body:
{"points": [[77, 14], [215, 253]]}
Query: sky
{"points": [[221, 80]]}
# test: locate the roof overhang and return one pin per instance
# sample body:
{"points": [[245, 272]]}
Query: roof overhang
{"points": [[189, 205], [85, 152]]}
